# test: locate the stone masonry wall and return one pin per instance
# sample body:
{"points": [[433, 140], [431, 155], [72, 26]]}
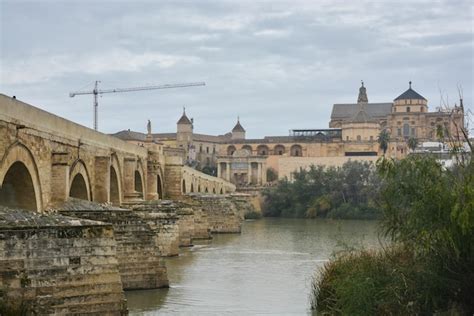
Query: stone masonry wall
{"points": [[161, 217], [138, 254], [222, 213], [58, 265]]}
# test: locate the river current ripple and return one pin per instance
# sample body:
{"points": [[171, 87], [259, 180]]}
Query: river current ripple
{"points": [[266, 270]]}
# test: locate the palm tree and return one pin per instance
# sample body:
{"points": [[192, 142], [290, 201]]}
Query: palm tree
{"points": [[383, 140], [412, 143]]}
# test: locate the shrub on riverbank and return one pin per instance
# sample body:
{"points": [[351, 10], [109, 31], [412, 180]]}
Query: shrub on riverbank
{"points": [[394, 281], [428, 212], [345, 192]]}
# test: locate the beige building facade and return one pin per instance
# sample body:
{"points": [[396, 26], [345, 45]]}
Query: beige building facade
{"points": [[353, 133]]}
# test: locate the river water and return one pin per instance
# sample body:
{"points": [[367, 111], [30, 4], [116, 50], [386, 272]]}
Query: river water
{"points": [[266, 270]]}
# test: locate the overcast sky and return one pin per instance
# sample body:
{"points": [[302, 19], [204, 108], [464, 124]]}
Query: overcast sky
{"points": [[278, 65]]}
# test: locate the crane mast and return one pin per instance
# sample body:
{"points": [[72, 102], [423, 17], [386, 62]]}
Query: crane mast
{"points": [[96, 92]]}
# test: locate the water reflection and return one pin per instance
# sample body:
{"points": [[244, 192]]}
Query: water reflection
{"points": [[265, 270]]}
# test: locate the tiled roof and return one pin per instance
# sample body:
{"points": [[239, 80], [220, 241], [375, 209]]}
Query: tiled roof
{"points": [[347, 111], [184, 120], [238, 128], [410, 94]]}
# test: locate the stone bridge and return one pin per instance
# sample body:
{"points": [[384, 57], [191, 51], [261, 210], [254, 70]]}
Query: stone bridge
{"points": [[44, 159]]}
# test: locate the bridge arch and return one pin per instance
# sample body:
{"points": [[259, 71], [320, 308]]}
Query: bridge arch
{"points": [[159, 185], [139, 184], [115, 190], [79, 181], [19, 179]]}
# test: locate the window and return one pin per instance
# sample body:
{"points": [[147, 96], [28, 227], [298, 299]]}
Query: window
{"points": [[207, 149], [413, 131], [214, 149], [296, 150], [371, 138], [406, 130], [399, 132], [408, 109], [358, 138], [200, 148], [347, 137]]}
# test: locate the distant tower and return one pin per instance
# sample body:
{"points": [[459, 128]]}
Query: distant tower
{"points": [[238, 132], [410, 101], [184, 135], [362, 94]]}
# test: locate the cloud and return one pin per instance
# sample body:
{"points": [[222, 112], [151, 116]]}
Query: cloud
{"points": [[272, 33], [283, 62], [43, 68]]}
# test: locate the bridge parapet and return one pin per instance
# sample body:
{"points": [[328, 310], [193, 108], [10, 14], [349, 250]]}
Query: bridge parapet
{"points": [[44, 159]]}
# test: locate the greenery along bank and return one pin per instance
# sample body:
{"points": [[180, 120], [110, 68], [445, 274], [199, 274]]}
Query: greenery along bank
{"points": [[347, 192], [428, 213]]}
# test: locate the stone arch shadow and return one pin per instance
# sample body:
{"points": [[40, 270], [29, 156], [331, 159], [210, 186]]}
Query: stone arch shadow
{"points": [[79, 181], [19, 161]]}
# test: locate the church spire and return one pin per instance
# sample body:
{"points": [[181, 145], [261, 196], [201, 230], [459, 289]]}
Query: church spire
{"points": [[362, 94]]}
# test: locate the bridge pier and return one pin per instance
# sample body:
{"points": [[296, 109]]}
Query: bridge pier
{"points": [[101, 179], [59, 178]]}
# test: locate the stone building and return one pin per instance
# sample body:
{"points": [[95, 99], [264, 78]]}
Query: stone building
{"points": [[352, 135]]}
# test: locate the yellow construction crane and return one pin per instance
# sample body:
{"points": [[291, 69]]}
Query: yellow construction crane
{"points": [[96, 92]]}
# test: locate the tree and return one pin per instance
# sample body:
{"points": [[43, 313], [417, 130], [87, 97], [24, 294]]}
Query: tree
{"points": [[412, 143], [272, 175], [383, 140]]}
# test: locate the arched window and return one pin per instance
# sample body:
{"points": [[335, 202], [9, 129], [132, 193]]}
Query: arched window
{"points": [[192, 188], [296, 151], [248, 148], [262, 150], [359, 138], [279, 150], [183, 189], [408, 109], [230, 150]]}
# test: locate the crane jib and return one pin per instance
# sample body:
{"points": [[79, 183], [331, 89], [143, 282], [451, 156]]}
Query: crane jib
{"points": [[96, 92]]}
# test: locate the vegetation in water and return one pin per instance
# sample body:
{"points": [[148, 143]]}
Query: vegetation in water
{"points": [[253, 215], [335, 192], [428, 213]]}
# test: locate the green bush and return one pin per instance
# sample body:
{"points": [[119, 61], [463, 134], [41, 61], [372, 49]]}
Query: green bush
{"points": [[344, 192], [428, 213]]}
